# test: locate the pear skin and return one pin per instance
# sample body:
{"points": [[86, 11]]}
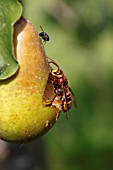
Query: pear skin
{"points": [[23, 114]]}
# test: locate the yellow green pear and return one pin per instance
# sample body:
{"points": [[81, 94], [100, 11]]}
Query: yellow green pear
{"points": [[23, 115]]}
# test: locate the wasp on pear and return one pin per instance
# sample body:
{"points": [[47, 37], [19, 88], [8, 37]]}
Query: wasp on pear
{"points": [[63, 94]]}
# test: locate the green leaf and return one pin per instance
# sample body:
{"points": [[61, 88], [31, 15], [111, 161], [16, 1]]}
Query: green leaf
{"points": [[10, 12]]}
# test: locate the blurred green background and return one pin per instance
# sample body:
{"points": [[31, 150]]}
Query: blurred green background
{"points": [[81, 42]]}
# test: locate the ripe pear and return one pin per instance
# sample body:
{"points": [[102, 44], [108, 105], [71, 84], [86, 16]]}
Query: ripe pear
{"points": [[23, 114]]}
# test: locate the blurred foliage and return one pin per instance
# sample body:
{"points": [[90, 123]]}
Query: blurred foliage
{"points": [[81, 33]]}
